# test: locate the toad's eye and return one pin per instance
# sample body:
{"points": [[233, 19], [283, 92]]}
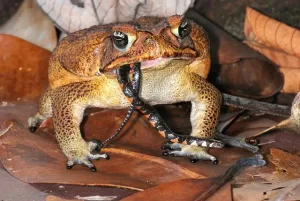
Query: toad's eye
{"points": [[183, 30], [122, 41]]}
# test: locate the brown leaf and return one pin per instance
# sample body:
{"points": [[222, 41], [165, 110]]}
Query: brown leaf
{"points": [[291, 80], [272, 33], [23, 149], [24, 154], [288, 190], [23, 69], [31, 24], [187, 189], [286, 162], [278, 57], [252, 78]]}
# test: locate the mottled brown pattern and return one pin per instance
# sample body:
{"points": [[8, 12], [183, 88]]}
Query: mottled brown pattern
{"points": [[80, 77]]}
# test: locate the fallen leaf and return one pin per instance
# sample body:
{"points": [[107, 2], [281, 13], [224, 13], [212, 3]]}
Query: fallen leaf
{"points": [[288, 190], [251, 78], [187, 189], [291, 80], [278, 57], [23, 69], [31, 24], [272, 33], [138, 146], [286, 162], [74, 15]]}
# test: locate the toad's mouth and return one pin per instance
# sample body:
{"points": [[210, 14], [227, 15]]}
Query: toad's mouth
{"points": [[156, 63]]}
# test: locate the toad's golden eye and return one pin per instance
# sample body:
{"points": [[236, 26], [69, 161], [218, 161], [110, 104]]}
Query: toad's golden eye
{"points": [[122, 41], [183, 30]]}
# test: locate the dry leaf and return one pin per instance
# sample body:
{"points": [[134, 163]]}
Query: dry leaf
{"points": [[187, 190], [278, 57], [74, 15], [23, 69], [252, 78], [291, 80], [286, 162], [270, 32], [31, 24], [139, 147], [289, 190]]}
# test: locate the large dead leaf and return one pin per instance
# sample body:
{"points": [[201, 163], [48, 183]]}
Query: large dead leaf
{"points": [[30, 24], [74, 15], [23, 69], [24, 154], [286, 162], [187, 190], [271, 32], [252, 78], [278, 57], [289, 190], [291, 80]]}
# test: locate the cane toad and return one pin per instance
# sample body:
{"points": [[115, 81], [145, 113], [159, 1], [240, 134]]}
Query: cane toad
{"points": [[174, 56]]}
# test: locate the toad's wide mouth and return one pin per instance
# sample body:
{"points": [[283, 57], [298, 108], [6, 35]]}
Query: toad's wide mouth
{"points": [[156, 63]]}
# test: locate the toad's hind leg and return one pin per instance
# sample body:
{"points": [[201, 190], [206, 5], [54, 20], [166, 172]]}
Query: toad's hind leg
{"points": [[206, 104], [69, 103], [44, 112]]}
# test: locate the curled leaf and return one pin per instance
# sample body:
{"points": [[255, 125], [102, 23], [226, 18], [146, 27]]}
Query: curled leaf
{"points": [[252, 78], [272, 33], [291, 80], [278, 57]]}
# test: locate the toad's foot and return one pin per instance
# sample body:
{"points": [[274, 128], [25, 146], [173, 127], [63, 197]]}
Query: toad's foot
{"points": [[85, 156], [195, 153]]}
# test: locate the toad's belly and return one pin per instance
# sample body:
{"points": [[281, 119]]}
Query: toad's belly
{"points": [[157, 87]]}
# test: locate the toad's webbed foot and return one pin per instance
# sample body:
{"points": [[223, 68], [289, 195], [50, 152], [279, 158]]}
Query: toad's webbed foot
{"points": [[84, 157], [194, 153]]}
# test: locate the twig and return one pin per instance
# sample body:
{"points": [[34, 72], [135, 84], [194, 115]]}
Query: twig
{"points": [[254, 105], [4, 130]]}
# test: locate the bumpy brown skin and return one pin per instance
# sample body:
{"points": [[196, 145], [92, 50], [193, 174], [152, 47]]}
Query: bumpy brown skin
{"points": [[80, 77]]}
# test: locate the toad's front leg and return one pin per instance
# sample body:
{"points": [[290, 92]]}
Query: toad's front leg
{"points": [[68, 106]]}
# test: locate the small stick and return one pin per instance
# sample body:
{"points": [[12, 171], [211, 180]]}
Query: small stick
{"points": [[254, 105]]}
